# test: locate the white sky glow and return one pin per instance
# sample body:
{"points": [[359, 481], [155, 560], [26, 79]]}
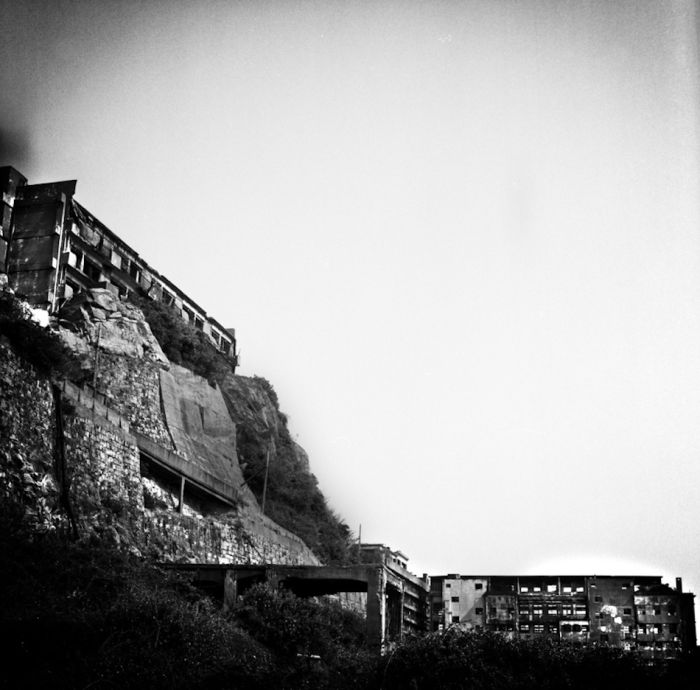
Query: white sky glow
{"points": [[461, 239]]}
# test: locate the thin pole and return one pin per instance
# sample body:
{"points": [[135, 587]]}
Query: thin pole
{"points": [[97, 358], [267, 467]]}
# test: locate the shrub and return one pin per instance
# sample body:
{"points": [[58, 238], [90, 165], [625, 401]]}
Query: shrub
{"points": [[181, 342], [39, 346]]}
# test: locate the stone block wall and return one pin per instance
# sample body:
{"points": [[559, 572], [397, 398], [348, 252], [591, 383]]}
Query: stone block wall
{"points": [[27, 443], [105, 487], [131, 387]]}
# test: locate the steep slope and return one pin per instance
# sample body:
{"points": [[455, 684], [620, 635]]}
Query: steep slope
{"points": [[293, 497]]}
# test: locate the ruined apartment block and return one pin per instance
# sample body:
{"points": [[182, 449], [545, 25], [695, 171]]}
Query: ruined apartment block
{"points": [[51, 247], [633, 613]]}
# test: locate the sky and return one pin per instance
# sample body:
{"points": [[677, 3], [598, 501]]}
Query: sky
{"points": [[461, 239]]}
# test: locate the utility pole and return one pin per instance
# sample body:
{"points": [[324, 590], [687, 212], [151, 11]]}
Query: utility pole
{"points": [[267, 467]]}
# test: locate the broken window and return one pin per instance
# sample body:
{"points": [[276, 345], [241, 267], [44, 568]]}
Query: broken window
{"points": [[455, 619], [455, 599], [478, 585], [92, 270]]}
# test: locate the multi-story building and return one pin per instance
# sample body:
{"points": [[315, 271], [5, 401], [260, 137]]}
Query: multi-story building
{"points": [[638, 612], [52, 247], [405, 606]]}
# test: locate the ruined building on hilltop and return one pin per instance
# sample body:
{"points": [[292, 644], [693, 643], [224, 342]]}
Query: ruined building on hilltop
{"points": [[51, 247], [633, 612]]}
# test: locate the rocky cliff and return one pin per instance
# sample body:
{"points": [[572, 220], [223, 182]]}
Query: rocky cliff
{"points": [[144, 453]]}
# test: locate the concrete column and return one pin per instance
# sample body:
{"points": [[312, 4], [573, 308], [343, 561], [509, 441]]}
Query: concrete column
{"points": [[230, 590], [376, 608]]}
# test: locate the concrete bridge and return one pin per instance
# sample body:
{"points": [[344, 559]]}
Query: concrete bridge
{"points": [[395, 603]]}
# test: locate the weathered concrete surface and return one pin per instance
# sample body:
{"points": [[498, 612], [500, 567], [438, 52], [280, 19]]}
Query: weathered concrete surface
{"points": [[201, 428]]}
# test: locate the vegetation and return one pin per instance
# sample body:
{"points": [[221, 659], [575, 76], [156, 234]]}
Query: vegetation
{"points": [[87, 616], [294, 499], [40, 346], [79, 616], [181, 342]]}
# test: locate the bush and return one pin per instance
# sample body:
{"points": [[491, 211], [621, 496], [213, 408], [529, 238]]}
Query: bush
{"points": [[39, 346], [181, 342]]}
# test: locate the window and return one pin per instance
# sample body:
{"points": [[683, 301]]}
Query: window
{"points": [[580, 609], [479, 611], [551, 588], [448, 585], [567, 610], [576, 628], [627, 612], [671, 610], [673, 628], [536, 610], [478, 585], [658, 629], [455, 599], [92, 271], [566, 589], [598, 598], [538, 628], [552, 611], [579, 588], [625, 629], [455, 619], [642, 629], [566, 628], [536, 588], [657, 610], [525, 627], [524, 589]]}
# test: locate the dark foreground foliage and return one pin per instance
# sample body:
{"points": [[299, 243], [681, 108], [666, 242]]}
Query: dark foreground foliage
{"points": [[40, 346], [86, 616], [459, 660]]}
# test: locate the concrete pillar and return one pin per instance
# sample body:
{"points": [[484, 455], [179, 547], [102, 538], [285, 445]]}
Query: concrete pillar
{"points": [[376, 608], [230, 590]]}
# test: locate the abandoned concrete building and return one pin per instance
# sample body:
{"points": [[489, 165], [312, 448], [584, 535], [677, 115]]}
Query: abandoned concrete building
{"points": [[52, 247], [634, 613], [393, 600]]}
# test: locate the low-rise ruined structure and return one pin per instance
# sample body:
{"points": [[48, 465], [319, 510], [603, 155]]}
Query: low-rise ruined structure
{"points": [[629, 612], [51, 247], [393, 600]]}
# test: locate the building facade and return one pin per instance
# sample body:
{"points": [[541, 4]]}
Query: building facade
{"points": [[51, 247], [634, 613]]}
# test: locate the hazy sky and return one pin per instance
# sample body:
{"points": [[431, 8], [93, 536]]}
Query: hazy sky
{"points": [[461, 239]]}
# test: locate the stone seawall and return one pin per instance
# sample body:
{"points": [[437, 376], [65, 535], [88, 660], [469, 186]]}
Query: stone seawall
{"points": [[111, 496]]}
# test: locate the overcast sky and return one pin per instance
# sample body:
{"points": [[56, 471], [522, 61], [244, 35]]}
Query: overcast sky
{"points": [[461, 239]]}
